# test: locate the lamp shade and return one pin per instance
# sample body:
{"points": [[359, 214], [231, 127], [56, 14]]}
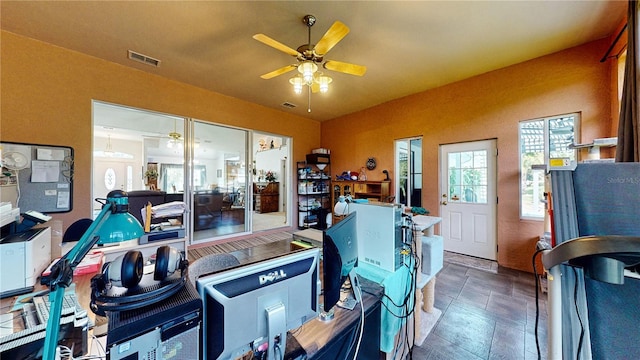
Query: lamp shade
{"points": [[341, 207], [324, 81], [307, 69], [297, 83], [120, 225]]}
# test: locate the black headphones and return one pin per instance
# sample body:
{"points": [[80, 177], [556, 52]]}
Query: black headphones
{"points": [[127, 270]]}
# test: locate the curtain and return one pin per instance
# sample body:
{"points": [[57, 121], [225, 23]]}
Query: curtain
{"points": [[628, 147]]}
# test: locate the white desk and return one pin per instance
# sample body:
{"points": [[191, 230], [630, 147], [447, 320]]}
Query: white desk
{"points": [[148, 249]]}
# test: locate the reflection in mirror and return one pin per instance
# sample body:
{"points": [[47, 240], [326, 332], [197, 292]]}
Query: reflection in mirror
{"points": [[148, 155], [409, 171], [147, 152], [219, 181], [271, 154]]}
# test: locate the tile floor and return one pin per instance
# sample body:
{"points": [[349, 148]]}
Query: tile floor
{"points": [[485, 315]]}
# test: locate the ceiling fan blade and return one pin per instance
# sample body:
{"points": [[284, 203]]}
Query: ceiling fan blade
{"points": [[277, 72], [275, 44], [335, 33], [344, 67]]}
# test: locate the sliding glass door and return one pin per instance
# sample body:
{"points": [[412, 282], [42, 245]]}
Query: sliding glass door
{"points": [[219, 182], [165, 158]]}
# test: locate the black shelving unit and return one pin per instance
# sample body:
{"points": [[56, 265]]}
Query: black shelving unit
{"points": [[314, 191]]}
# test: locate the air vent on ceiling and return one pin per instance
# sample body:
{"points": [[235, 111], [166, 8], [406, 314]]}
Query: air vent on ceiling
{"points": [[143, 58], [288, 105]]}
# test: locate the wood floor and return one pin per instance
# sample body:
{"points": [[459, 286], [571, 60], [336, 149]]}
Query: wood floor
{"points": [[485, 315]]}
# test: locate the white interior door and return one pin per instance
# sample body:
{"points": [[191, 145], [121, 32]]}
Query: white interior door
{"points": [[468, 198], [109, 175]]}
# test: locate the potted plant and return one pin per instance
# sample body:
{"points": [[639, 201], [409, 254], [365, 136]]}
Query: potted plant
{"points": [[270, 176], [151, 174]]}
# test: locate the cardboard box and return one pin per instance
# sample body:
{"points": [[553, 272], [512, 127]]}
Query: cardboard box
{"points": [[318, 158]]}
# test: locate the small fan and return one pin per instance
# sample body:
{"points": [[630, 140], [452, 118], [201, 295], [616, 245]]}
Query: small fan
{"points": [[14, 161]]}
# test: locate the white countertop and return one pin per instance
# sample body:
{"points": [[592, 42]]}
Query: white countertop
{"points": [[424, 222]]}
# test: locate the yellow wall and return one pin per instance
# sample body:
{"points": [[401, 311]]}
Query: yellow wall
{"points": [[483, 107], [46, 94]]}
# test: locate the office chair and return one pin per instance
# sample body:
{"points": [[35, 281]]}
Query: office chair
{"points": [[593, 309], [210, 263], [76, 230]]}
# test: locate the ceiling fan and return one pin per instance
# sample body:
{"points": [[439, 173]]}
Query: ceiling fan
{"points": [[175, 136], [309, 56]]}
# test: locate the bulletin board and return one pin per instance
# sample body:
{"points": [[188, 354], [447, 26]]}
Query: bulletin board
{"points": [[37, 177]]}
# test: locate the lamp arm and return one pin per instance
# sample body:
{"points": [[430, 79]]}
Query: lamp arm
{"points": [[62, 276]]}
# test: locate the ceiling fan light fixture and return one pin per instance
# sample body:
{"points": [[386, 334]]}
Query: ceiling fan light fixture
{"points": [[108, 151], [297, 83], [324, 81], [307, 68]]}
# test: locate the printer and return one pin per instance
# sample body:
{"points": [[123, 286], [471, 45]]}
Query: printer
{"points": [[23, 257]]}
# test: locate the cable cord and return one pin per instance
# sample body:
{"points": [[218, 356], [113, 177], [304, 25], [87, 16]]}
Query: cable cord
{"points": [[407, 306], [355, 354], [65, 353], [535, 275], [575, 302], [352, 341], [18, 192], [278, 351]]}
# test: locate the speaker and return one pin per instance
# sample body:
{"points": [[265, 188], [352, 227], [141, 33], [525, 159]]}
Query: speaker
{"points": [[122, 285]]}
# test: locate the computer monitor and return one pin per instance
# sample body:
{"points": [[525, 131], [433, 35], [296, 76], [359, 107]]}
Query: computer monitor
{"points": [[249, 309], [339, 259]]}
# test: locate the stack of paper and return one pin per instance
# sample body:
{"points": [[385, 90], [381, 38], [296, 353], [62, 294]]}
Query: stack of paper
{"points": [[5, 207], [174, 208]]}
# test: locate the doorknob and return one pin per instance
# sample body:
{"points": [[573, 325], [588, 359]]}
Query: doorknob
{"points": [[443, 203]]}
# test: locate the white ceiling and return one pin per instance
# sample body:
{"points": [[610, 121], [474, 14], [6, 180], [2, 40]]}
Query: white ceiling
{"points": [[408, 47]]}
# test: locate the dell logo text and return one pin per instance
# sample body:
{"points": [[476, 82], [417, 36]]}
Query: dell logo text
{"points": [[272, 276]]}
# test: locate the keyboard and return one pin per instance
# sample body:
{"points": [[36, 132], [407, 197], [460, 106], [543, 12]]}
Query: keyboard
{"points": [[36, 314], [42, 306]]}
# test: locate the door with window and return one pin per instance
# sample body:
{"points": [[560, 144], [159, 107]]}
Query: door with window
{"points": [[468, 198]]}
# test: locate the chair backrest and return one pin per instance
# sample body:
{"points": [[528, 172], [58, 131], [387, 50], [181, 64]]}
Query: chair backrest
{"points": [[598, 199], [210, 263], [76, 230]]}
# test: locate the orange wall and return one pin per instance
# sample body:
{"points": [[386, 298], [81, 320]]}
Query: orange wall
{"points": [[617, 48], [46, 94], [483, 107]]}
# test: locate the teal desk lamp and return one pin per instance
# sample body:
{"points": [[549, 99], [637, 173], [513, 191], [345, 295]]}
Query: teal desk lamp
{"points": [[113, 224]]}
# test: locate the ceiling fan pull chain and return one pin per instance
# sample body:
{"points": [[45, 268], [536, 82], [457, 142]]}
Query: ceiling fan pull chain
{"points": [[309, 102]]}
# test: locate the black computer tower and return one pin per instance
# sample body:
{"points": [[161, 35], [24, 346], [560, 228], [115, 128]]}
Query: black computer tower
{"points": [[171, 328]]}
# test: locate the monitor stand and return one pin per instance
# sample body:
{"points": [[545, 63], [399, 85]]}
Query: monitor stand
{"points": [[276, 328], [349, 303]]}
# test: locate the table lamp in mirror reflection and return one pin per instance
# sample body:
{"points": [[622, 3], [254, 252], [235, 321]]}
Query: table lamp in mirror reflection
{"points": [[112, 225]]}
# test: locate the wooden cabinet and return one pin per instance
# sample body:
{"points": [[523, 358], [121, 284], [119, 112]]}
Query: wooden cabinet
{"points": [[314, 198], [266, 196], [371, 190]]}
